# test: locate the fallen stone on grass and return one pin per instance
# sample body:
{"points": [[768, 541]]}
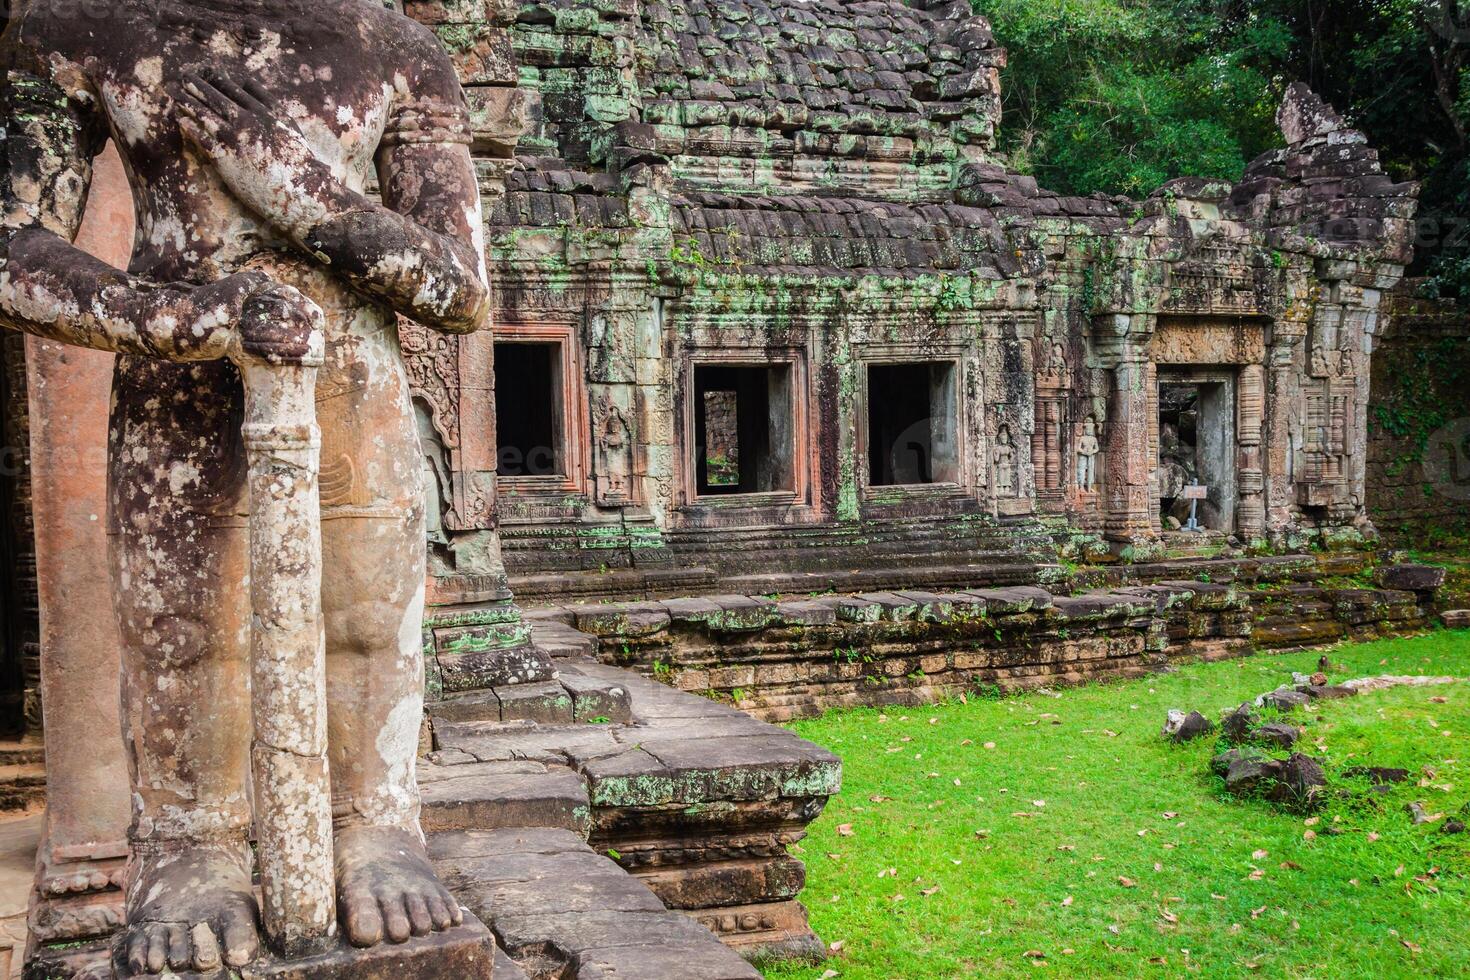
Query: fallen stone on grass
{"points": [[1283, 699], [1301, 783], [1383, 682], [1456, 619], [1377, 775], [1182, 727], [1221, 763], [1327, 692], [1277, 733], [1236, 725], [1420, 814], [1252, 774]]}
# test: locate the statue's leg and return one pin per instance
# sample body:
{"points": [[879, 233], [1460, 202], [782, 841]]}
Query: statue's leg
{"points": [[373, 561], [179, 570]]}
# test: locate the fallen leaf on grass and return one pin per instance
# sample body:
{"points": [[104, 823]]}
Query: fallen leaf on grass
{"points": [[1411, 947], [1256, 875], [1168, 916], [1126, 882], [1260, 855], [844, 830], [1067, 901]]}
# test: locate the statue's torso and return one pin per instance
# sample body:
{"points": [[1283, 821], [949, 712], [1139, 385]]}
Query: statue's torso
{"points": [[328, 64]]}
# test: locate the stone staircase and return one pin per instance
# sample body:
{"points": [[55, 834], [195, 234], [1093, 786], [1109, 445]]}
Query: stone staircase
{"points": [[22, 775], [689, 807]]}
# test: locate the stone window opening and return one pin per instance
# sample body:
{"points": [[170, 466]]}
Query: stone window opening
{"points": [[528, 396], [743, 439], [912, 424], [1197, 446]]}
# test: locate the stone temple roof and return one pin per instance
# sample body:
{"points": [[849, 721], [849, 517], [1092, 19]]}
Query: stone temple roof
{"points": [[880, 66], [842, 138]]}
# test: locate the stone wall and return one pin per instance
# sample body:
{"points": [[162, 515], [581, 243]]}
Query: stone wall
{"points": [[1419, 420], [794, 657]]}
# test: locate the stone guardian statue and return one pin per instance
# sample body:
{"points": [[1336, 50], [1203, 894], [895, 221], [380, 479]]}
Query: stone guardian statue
{"points": [[250, 129]]}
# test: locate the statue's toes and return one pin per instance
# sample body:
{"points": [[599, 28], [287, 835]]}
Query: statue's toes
{"points": [[180, 948], [419, 921], [206, 947], [241, 940], [395, 916], [147, 946], [363, 918], [439, 911]]}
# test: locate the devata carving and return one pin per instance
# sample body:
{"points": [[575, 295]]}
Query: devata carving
{"points": [[250, 129]]}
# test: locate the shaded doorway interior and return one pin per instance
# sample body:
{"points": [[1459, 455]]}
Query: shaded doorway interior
{"points": [[1196, 438], [912, 424], [743, 429], [528, 410]]}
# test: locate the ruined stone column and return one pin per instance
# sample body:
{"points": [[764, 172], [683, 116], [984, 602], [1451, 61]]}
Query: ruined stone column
{"points": [[79, 867], [1127, 505], [293, 803], [1250, 513]]}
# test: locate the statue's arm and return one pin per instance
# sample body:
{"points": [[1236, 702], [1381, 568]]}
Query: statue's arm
{"points": [[50, 288], [419, 251]]}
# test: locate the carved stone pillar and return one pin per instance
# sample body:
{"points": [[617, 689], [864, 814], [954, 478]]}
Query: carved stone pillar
{"points": [[1127, 469], [80, 864], [1250, 513], [1282, 425]]}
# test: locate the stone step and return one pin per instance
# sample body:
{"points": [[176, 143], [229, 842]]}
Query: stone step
{"points": [[563, 912], [26, 752], [571, 698], [22, 785], [498, 795], [474, 657]]}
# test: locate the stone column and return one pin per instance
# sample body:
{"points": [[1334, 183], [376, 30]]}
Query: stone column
{"points": [[293, 800], [1127, 506], [81, 859], [1282, 420], [1250, 396]]}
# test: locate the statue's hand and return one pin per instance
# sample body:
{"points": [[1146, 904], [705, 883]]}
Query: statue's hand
{"points": [[281, 325], [265, 161]]}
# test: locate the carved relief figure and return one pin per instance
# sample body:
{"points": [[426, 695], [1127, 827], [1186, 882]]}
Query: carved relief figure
{"points": [[249, 129], [1087, 450], [1005, 462], [613, 465]]}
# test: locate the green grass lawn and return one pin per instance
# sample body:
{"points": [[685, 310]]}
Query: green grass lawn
{"points": [[1062, 833]]}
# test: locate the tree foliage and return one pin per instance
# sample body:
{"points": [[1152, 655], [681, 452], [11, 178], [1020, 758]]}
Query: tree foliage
{"points": [[1121, 95]]}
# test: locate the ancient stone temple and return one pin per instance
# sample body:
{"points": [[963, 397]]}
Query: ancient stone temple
{"points": [[768, 302], [777, 341]]}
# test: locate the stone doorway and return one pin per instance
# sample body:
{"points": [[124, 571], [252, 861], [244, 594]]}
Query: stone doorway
{"points": [[1197, 446]]}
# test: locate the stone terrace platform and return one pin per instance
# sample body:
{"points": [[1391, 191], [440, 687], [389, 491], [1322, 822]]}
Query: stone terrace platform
{"points": [[688, 805], [785, 657]]}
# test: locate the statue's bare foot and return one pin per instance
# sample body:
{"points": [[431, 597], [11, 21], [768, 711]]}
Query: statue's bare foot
{"points": [[386, 887], [192, 908]]}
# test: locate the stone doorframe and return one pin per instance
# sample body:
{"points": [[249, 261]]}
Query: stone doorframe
{"points": [[1133, 348], [1209, 348]]}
